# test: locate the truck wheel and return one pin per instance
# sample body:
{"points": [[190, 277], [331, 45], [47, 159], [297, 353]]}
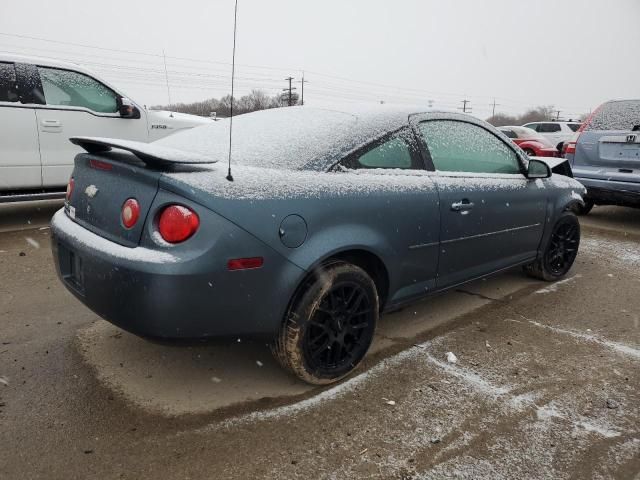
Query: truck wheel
{"points": [[529, 152], [560, 251], [330, 325]]}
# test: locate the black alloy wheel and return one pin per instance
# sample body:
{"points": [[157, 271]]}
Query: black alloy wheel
{"points": [[338, 334], [562, 249]]}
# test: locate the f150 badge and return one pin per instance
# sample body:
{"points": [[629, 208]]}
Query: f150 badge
{"points": [[159, 126]]}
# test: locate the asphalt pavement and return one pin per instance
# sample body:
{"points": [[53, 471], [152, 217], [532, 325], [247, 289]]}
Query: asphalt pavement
{"points": [[545, 382]]}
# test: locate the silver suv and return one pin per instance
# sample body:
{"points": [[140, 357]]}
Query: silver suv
{"points": [[605, 155]]}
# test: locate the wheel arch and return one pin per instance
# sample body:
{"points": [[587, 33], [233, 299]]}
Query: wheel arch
{"points": [[359, 256]]}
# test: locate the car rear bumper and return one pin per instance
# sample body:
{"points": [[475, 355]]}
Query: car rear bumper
{"points": [[609, 192], [158, 295]]}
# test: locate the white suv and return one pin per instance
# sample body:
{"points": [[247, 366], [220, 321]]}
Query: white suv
{"points": [[44, 102], [556, 132]]}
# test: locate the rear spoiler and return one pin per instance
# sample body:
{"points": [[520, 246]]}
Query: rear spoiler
{"points": [[149, 153]]}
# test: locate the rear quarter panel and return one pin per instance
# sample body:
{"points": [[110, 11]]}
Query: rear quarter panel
{"points": [[381, 212]]}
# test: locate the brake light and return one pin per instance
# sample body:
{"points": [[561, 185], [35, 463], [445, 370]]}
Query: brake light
{"points": [[130, 212], [245, 263], [177, 223], [569, 147], [100, 165], [70, 185]]}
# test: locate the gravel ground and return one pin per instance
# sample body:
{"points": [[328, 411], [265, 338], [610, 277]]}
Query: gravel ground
{"points": [[545, 385]]}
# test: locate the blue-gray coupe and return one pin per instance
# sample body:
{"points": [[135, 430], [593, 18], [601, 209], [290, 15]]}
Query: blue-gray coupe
{"points": [[330, 218]]}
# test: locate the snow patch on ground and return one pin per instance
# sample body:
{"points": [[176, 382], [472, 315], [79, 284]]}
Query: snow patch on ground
{"points": [[554, 286]]}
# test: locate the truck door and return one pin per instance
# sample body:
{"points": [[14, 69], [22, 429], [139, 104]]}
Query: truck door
{"points": [[19, 153], [77, 105]]}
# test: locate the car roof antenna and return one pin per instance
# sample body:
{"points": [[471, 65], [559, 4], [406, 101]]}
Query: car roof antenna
{"points": [[233, 74], [166, 77]]}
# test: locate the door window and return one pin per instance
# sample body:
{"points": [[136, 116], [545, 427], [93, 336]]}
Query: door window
{"points": [[392, 153], [533, 126], [73, 89], [8, 83], [549, 128], [464, 147]]}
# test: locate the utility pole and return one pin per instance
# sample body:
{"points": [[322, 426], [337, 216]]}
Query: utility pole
{"points": [[290, 90], [493, 111], [558, 115], [464, 107], [302, 82]]}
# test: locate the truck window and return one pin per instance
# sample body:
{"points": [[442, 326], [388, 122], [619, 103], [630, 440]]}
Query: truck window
{"points": [[73, 89], [8, 83]]}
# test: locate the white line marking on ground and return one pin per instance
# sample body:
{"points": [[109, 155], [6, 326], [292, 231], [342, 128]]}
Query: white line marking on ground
{"points": [[587, 337], [554, 286]]}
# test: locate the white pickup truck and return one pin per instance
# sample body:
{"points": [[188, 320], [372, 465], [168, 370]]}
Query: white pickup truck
{"points": [[43, 102]]}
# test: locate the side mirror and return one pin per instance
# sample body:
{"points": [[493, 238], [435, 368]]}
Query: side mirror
{"points": [[538, 169], [127, 109]]}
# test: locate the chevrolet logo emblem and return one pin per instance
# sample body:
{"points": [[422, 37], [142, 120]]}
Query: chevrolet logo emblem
{"points": [[91, 191]]}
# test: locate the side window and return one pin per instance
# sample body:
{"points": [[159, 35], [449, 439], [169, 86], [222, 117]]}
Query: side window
{"points": [[549, 128], [464, 147], [8, 83], [533, 126], [393, 153], [73, 89], [574, 126]]}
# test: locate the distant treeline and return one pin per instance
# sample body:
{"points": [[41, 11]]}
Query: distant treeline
{"points": [[538, 114], [256, 100]]}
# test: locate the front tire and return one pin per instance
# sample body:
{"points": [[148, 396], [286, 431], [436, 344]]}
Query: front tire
{"points": [[330, 325], [560, 252], [529, 152]]}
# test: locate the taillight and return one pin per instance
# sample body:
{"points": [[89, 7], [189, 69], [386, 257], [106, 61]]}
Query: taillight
{"points": [[130, 213], [569, 147], [70, 185], [177, 223], [100, 165]]}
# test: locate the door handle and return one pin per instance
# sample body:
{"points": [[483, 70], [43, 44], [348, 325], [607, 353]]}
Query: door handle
{"points": [[462, 206], [50, 123]]}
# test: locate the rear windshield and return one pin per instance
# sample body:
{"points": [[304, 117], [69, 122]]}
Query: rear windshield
{"points": [[619, 115]]}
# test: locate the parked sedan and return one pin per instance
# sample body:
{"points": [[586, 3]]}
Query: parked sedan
{"points": [[533, 144], [328, 219]]}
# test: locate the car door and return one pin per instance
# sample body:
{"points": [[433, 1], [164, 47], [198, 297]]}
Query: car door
{"points": [[77, 105], [19, 153], [408, 213], [492, 216]]}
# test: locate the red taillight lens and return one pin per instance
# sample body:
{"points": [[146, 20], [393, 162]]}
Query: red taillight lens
{"points": [[70, 185], [130, 213], [245, 263], [177, 223], [100, 165], [569, 147]]}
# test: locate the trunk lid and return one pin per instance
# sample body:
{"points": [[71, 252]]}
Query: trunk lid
{"points": [[102, 184]]}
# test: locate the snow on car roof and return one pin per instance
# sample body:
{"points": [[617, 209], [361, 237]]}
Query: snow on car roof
{"points": [[293, 138]]}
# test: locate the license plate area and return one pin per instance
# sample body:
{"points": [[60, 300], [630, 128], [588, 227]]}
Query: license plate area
{"points": [[71, 268]]}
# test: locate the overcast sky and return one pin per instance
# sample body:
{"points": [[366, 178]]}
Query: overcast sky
{"points": [[573, 54]]}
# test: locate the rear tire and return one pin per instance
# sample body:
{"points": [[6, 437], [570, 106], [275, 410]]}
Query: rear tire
{"points": [[330, 325], [560, 251]]}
